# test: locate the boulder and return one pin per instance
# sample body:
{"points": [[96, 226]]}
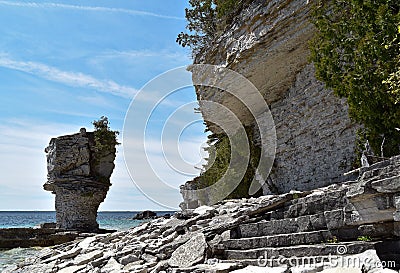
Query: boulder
{"points": [[48, 225], [190, 253], [88, 257], [112, 266], [129, 259], [147, 214], [30, 237], [203, 210]]}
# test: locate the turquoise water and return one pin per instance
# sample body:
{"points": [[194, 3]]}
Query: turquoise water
{"points": [[15, 256], [119, 220], [13, 219]]}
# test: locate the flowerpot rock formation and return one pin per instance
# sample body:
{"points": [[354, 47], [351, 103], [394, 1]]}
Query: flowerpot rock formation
{"points": [[79, 176]]}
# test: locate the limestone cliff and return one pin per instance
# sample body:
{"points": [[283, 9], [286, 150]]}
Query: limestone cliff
{"points": [[267, 42], [79, 177]]}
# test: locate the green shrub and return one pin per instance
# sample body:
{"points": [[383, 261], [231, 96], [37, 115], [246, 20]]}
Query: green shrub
{"points": [[332, 240], [105, 141], [105, 138], [364, 238]]}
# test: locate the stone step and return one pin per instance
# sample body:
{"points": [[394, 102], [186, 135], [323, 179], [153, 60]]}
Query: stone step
{"points": [[387, 184], [382, 170], [299, 251], [291, 261], [315, 203], [283, 226], [334, 191], [291, 239]]}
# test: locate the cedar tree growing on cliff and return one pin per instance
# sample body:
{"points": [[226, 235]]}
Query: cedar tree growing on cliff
{"points": [[356, 53]]}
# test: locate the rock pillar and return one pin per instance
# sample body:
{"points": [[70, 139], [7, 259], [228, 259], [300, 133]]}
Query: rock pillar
{"points": [[79, 176]]}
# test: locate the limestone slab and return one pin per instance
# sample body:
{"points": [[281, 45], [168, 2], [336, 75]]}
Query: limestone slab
{"points": [[190, 253], [88, 257]]}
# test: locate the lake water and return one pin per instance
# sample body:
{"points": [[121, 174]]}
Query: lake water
{"points": [[13, 219], [119, 220]]}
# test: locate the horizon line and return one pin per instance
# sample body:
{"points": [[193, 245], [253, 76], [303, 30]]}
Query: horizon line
{"points": [[97, 212]]}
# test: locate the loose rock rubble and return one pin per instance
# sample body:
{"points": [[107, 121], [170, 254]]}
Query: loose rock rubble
{"points": [[275, 233]]}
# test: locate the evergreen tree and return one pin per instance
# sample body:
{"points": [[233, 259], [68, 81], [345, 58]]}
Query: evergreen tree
{"points": [[205, 19], [201, 18], [356, 53]]}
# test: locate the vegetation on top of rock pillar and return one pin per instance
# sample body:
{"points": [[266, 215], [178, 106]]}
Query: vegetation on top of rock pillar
{"points": [[105, 138], [356, 53], [206, 18]]}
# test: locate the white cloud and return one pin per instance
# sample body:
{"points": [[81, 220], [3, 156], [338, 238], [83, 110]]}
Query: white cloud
{"points": [[97, 101], [75, 79], [143, 54], [88, 8], [31, 133], [74, 113]]}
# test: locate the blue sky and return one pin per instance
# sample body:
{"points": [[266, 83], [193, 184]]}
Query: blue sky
{"points": [[64, 64]]}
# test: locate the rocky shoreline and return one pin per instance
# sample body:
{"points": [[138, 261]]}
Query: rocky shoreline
{"points": [[40, 237], [31, 237], [355, 220]]}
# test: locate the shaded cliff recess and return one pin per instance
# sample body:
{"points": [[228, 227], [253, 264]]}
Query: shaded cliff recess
{"points": [[79, 170]]}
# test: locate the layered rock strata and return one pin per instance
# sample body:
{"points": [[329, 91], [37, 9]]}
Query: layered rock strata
{"points": [[79, 176], [30, 237], [267, 43], [303, 231]]}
